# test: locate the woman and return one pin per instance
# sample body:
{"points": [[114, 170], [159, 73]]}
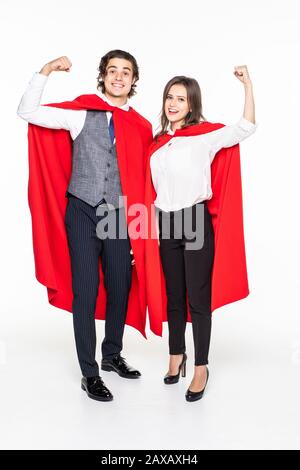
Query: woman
{"points": [[180, 163]]}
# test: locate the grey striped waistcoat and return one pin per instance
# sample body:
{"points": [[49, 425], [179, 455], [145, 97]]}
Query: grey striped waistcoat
{"points": [[95, 172]]}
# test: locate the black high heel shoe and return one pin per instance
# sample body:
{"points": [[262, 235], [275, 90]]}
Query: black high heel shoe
{"points": [[194, 396], [173, 379]]}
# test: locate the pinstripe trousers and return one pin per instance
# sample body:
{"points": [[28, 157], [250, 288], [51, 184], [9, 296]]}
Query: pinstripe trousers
{"points": [[85, 249]]}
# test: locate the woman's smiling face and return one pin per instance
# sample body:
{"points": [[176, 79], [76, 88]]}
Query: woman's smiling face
{"points": [[176, 104]]}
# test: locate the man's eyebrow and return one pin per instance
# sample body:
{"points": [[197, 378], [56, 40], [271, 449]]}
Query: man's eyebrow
{"points": [[114, 67]]}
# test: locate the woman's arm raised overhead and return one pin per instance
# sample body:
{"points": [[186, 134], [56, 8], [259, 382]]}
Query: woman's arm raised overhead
{"points": [[231, 135]]}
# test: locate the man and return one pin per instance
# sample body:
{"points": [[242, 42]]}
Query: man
{"points": [[107, 153]]}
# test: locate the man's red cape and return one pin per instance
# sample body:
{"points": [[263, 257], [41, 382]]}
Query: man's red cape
{"points": [[50, 165], [229, 275]]}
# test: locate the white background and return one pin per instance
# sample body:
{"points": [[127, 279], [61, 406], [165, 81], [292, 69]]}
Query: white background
{"points": [[252, 398]]}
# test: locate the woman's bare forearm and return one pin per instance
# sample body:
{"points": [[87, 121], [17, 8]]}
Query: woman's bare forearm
{"points": [[249, 107], [242, 73]]}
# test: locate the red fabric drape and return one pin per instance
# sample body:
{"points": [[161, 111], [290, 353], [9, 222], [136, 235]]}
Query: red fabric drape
{"points": [[229, 275], [50, 165]]}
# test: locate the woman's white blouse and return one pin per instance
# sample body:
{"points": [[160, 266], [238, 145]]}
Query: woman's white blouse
{"points": [[180, 169]]}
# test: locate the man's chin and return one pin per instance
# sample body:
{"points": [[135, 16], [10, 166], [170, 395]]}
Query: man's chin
{"points": [[117, 94]]}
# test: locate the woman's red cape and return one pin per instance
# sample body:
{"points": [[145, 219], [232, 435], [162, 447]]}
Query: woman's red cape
{"points": [[50, 165], [229, 274]]}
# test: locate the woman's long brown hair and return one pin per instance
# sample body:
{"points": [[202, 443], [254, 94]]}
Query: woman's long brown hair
{"points": [[194, 101]]}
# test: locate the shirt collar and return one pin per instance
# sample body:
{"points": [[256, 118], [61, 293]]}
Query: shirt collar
{"points": [[125, 106]]}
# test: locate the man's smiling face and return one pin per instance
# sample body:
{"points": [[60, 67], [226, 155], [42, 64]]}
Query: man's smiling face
{"points": [[119, 78]]}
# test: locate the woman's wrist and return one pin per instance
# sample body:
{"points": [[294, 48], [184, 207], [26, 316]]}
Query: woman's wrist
{"points": [[248, 84]]}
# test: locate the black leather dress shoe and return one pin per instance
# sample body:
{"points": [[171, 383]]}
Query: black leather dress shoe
{"points": [[119, 365], [194, 396], [95, 388]]}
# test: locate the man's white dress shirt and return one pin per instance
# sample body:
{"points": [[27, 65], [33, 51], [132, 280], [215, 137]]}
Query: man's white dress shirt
{"points": [[54, 118]]}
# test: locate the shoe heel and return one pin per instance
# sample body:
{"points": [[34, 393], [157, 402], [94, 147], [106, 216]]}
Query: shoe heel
{"points": [[183, 370]]}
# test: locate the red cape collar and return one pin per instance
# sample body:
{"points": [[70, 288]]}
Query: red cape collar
{"points": [[197, 129]]}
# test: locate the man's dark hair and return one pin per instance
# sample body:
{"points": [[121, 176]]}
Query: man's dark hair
{"points": [[119, 54]]}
